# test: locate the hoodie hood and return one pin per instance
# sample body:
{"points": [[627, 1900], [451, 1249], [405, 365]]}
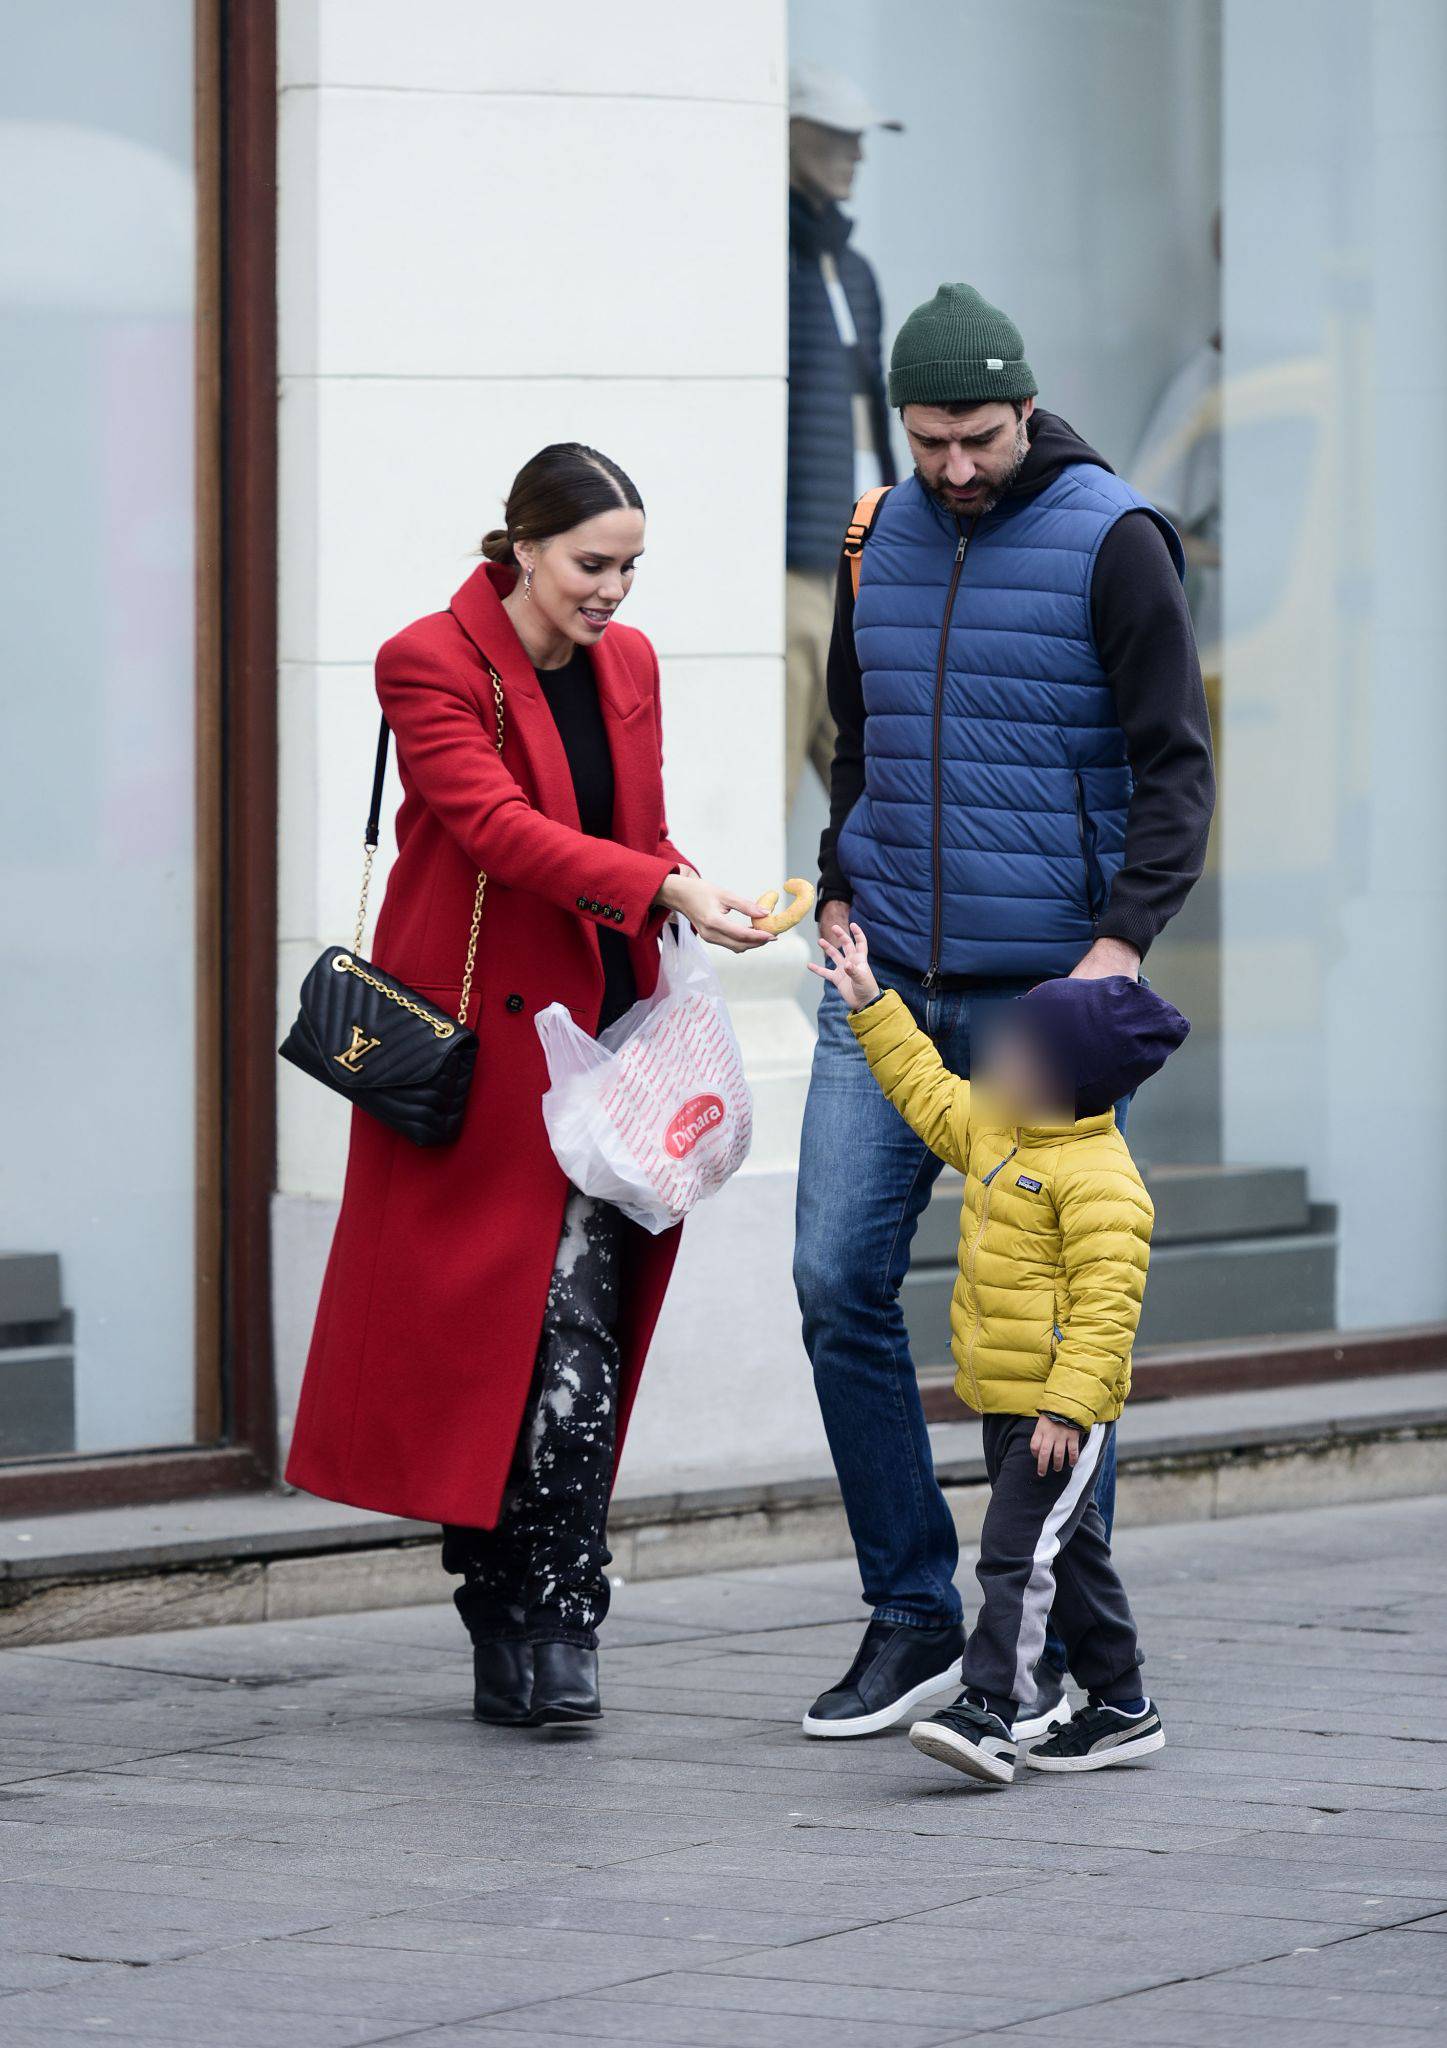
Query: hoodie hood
{"points": [[1105, 1037], [1054, 445]]}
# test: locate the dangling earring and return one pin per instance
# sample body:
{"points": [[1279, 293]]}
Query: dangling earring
{"points": [[528, 585]]}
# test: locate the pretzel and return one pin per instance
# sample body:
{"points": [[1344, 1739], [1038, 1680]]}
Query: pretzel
{"points": [[802, 894]]}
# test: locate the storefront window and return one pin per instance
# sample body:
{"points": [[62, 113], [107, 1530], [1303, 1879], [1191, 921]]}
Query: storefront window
{"points": [[102, 1105], [1221, 232]]}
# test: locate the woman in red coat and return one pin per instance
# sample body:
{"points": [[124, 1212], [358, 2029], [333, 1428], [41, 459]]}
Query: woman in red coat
{"points": [[482, 1326]]}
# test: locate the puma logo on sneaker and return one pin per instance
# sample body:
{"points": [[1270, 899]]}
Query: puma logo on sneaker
{"points": [[1096, 1736]]}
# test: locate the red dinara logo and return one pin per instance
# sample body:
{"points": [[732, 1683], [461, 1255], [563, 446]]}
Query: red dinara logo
{"points": [[699, 1115]]}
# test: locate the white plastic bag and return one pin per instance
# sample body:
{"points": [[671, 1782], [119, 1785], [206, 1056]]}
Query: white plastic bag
{"points": [[656, 1114]]}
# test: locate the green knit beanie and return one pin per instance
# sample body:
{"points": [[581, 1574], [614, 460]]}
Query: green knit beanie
{"points": [[956, 349]]}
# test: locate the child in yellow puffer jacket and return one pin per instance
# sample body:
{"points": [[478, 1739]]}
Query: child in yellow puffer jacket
{"points": [[1054, 1246]]}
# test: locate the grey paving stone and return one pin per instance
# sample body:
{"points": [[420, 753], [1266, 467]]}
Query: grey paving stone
{"points": [[1288, 2002], [400, 1869], [905, 1958], [1119, 2026], [757, 1995], [613, 2019], [622, 1954], [123, 2015], [1216, 1892], [743, 1923], [23, 1972], [119, 1924], [139, 1878], [377, 1987], [1148, 1920], [1388, 1961]]}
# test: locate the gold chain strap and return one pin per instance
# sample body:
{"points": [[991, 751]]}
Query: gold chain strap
{"points": [[482, 879], [345, 964], [351, 967]]}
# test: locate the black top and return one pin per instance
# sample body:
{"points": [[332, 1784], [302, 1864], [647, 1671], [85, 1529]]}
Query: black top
{"points": [[572, 697], [1147, 648]]}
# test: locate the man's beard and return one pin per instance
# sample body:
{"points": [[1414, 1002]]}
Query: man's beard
{"points": [[996, 491]]}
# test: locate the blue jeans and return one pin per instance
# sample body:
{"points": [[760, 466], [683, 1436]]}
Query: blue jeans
{"points": [[864, 1181]]}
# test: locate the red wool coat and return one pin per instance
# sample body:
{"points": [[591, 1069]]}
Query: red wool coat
{"points": [[433, 1300]]}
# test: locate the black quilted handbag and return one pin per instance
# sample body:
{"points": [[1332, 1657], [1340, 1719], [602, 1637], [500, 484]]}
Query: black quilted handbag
{"points": [[373, 1039]]}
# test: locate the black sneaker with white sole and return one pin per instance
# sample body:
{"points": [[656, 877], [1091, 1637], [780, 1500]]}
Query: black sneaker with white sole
{"points": [[1051, 1708], [896, 1669], [1096, 1736], [970, 1739]]}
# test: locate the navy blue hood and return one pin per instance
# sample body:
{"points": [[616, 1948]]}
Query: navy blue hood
{"points": [[1107, 1036]]}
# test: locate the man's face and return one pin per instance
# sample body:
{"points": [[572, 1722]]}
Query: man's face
{"points": [[967, 460], [822, 161]]}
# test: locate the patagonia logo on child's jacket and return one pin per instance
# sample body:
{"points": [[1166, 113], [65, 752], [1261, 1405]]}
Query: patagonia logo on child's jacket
{"points": [[1032, 1186]]}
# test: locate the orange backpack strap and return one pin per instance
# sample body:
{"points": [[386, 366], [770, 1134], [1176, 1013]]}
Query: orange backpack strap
{"points": [[859, 528]]}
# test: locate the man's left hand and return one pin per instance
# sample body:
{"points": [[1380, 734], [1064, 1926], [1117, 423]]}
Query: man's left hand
{"points": [[1108, 956]]}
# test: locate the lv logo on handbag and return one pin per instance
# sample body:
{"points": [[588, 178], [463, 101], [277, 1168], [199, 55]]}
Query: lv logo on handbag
{"points": [[357, 1051]]}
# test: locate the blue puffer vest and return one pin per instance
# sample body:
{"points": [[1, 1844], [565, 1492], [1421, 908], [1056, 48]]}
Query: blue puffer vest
{"points": [[996, 783]]}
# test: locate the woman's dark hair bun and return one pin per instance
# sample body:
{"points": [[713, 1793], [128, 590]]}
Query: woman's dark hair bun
{"points": [[497, 546], [561, 486]]}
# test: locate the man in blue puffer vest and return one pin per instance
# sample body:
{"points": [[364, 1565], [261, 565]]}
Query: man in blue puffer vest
{"points": [[1022, 787]]}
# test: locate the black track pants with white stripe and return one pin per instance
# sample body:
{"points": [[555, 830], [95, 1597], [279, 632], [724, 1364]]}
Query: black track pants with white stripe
{"points": [[1044, 1556]]}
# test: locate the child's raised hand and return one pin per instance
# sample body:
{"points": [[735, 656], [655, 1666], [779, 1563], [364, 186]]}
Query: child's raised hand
{"points": [[848, 968]]}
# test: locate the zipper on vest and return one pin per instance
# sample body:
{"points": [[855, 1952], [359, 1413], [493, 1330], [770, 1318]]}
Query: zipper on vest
{"points": [[1087, 853], [932, 978]]}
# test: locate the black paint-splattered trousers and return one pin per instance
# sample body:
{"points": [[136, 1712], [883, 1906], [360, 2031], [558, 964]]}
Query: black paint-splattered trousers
{"points": [[542, 1573]]}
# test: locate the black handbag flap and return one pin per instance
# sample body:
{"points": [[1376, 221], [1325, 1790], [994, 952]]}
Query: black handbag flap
{"points": [[365, 1039]]}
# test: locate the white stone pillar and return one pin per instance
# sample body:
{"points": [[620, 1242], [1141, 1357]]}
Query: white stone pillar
{"points": [[502, 227]]}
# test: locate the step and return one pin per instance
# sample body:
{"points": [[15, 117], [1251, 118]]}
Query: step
{"points": [[1223, 1288], [1247, 1365], [1241, 1287], [29, 1287], [37, 1401], [253, 1557], [1192, 1203]]}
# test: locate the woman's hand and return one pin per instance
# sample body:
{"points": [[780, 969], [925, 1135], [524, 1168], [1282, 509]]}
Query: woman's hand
{"points": [[713, 912], [849, 969]]}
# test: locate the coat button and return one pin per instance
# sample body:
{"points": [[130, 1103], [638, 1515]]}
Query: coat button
{"points": [[618, 917], [582, 903], [514, 1003]]}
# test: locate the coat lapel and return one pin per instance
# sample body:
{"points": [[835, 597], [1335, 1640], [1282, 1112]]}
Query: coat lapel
{"points": [[632, 739], [529, 724]]}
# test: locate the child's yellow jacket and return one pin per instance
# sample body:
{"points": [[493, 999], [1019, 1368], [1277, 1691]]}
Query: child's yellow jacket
{"points": [[1054, 1239]]}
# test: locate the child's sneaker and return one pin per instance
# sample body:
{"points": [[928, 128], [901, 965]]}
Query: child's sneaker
{"points": [[1097, 1735], [1051, 1710], [970, 1739]]}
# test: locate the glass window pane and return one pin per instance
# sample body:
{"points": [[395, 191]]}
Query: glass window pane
{"points": [[97, 624]]}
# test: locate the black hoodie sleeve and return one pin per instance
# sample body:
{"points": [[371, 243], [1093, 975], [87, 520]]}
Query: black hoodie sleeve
{"points": [[845, 686], [1147, 647]]}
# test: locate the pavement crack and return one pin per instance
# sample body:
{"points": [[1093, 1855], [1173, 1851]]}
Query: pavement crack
{"points": [[112, 1962], [1222, 1970]]}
